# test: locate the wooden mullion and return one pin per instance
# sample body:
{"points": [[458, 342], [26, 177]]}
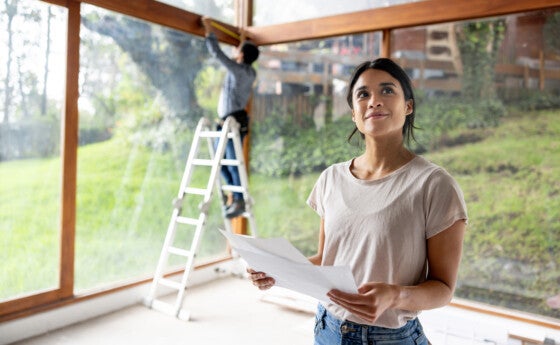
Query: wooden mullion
{"points": [[70, 153], [386, 43]]}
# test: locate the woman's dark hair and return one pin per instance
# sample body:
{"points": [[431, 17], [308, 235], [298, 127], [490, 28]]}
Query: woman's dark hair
{"points": [[250, 52], [389, 66]]}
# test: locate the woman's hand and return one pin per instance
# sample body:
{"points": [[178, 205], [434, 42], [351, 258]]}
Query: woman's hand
{"points": [[260, 279], [370, 302]]}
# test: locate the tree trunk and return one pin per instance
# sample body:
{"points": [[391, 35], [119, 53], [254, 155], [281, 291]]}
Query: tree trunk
{"points": [[11, 12], [46, 70], [171, 61]]}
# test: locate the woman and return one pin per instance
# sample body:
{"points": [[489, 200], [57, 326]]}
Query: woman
{"points": [[396, 219]]}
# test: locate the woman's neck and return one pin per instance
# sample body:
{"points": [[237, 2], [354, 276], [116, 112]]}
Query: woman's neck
{"points": [[379, 160]]}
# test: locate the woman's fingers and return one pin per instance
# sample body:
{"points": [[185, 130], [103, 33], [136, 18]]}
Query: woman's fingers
{"points": [[260, 279]]}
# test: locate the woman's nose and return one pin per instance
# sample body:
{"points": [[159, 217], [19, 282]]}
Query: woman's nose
{"points": [[374, 102]]}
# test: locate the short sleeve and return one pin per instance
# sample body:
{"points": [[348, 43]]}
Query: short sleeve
{"points": [[315, 199], [444, 203]]}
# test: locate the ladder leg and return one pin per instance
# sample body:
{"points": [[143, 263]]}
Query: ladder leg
{"points": [[242, 170]]}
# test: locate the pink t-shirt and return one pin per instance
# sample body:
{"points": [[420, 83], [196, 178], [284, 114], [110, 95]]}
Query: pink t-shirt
{"points": [[379, 228]]}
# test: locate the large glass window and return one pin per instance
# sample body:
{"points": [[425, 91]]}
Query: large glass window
{"points": [[143, 89], [32, 71], [488, 101], [223, 10]]}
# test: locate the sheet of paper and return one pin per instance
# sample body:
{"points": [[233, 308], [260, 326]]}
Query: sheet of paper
{"points": [[279, 259]]}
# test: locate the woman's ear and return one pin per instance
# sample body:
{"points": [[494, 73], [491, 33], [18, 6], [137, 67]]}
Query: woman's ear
{"points": [[353, 118], [409, 107]]}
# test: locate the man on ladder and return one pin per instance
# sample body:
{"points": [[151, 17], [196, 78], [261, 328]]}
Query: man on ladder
{"points": [[234, 96]]}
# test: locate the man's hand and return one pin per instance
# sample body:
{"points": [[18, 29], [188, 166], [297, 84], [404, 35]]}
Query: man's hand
{"points": [[207, 23]]}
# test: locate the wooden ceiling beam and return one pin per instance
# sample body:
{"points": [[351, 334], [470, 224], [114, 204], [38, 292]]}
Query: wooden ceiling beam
{"points": [[398, 16], [163, 14], [386, 18]]}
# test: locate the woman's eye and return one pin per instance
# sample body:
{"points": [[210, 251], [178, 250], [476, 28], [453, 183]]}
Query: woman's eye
{"points": [[387, 90], [362, 94]]}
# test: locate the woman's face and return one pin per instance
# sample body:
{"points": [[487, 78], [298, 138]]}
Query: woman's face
{"points": [[378, 105]]}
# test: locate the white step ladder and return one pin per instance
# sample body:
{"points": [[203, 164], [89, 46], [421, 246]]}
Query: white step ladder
{"points": [[230, 131]]}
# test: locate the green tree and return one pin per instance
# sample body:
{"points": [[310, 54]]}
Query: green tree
{"points": [[171, 60], [479, 43], [551, 33]]}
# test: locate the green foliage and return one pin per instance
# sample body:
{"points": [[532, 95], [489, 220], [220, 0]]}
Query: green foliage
{"points": [[537, 100], [479, 43], [551, 33], [281, 149], [280, 209], [438, 118], [207, 89], [513, 196]]}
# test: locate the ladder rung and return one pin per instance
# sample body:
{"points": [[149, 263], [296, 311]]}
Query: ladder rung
{"points": [[210, 134], [171, 283], [179, 251], [203, 162], [233, 162], [198, 191], [231, 188], [187, 220], [214, 134]]}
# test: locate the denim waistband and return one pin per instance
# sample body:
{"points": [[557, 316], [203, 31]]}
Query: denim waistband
{"points": [[349, 329]]}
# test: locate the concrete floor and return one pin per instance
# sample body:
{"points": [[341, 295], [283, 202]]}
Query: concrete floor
{"points": [[225, 311], [231, 311]]}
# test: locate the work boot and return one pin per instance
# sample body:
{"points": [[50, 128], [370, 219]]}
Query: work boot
{"points": [[236, 208]]}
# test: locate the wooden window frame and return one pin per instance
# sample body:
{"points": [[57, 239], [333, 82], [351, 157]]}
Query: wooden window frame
{"points": [[386, 19]]}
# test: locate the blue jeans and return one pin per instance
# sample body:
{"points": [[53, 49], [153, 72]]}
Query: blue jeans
{"points": [[329, 331]]}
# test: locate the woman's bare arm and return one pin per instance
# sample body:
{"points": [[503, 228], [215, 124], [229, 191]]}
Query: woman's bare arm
{"points": [[444, 257], [318, 258]]}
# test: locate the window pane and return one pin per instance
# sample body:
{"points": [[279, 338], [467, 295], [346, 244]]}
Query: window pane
{"points": [[278, 12], [223, 10], [488, 102], [138, 109], [32, 70]]}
